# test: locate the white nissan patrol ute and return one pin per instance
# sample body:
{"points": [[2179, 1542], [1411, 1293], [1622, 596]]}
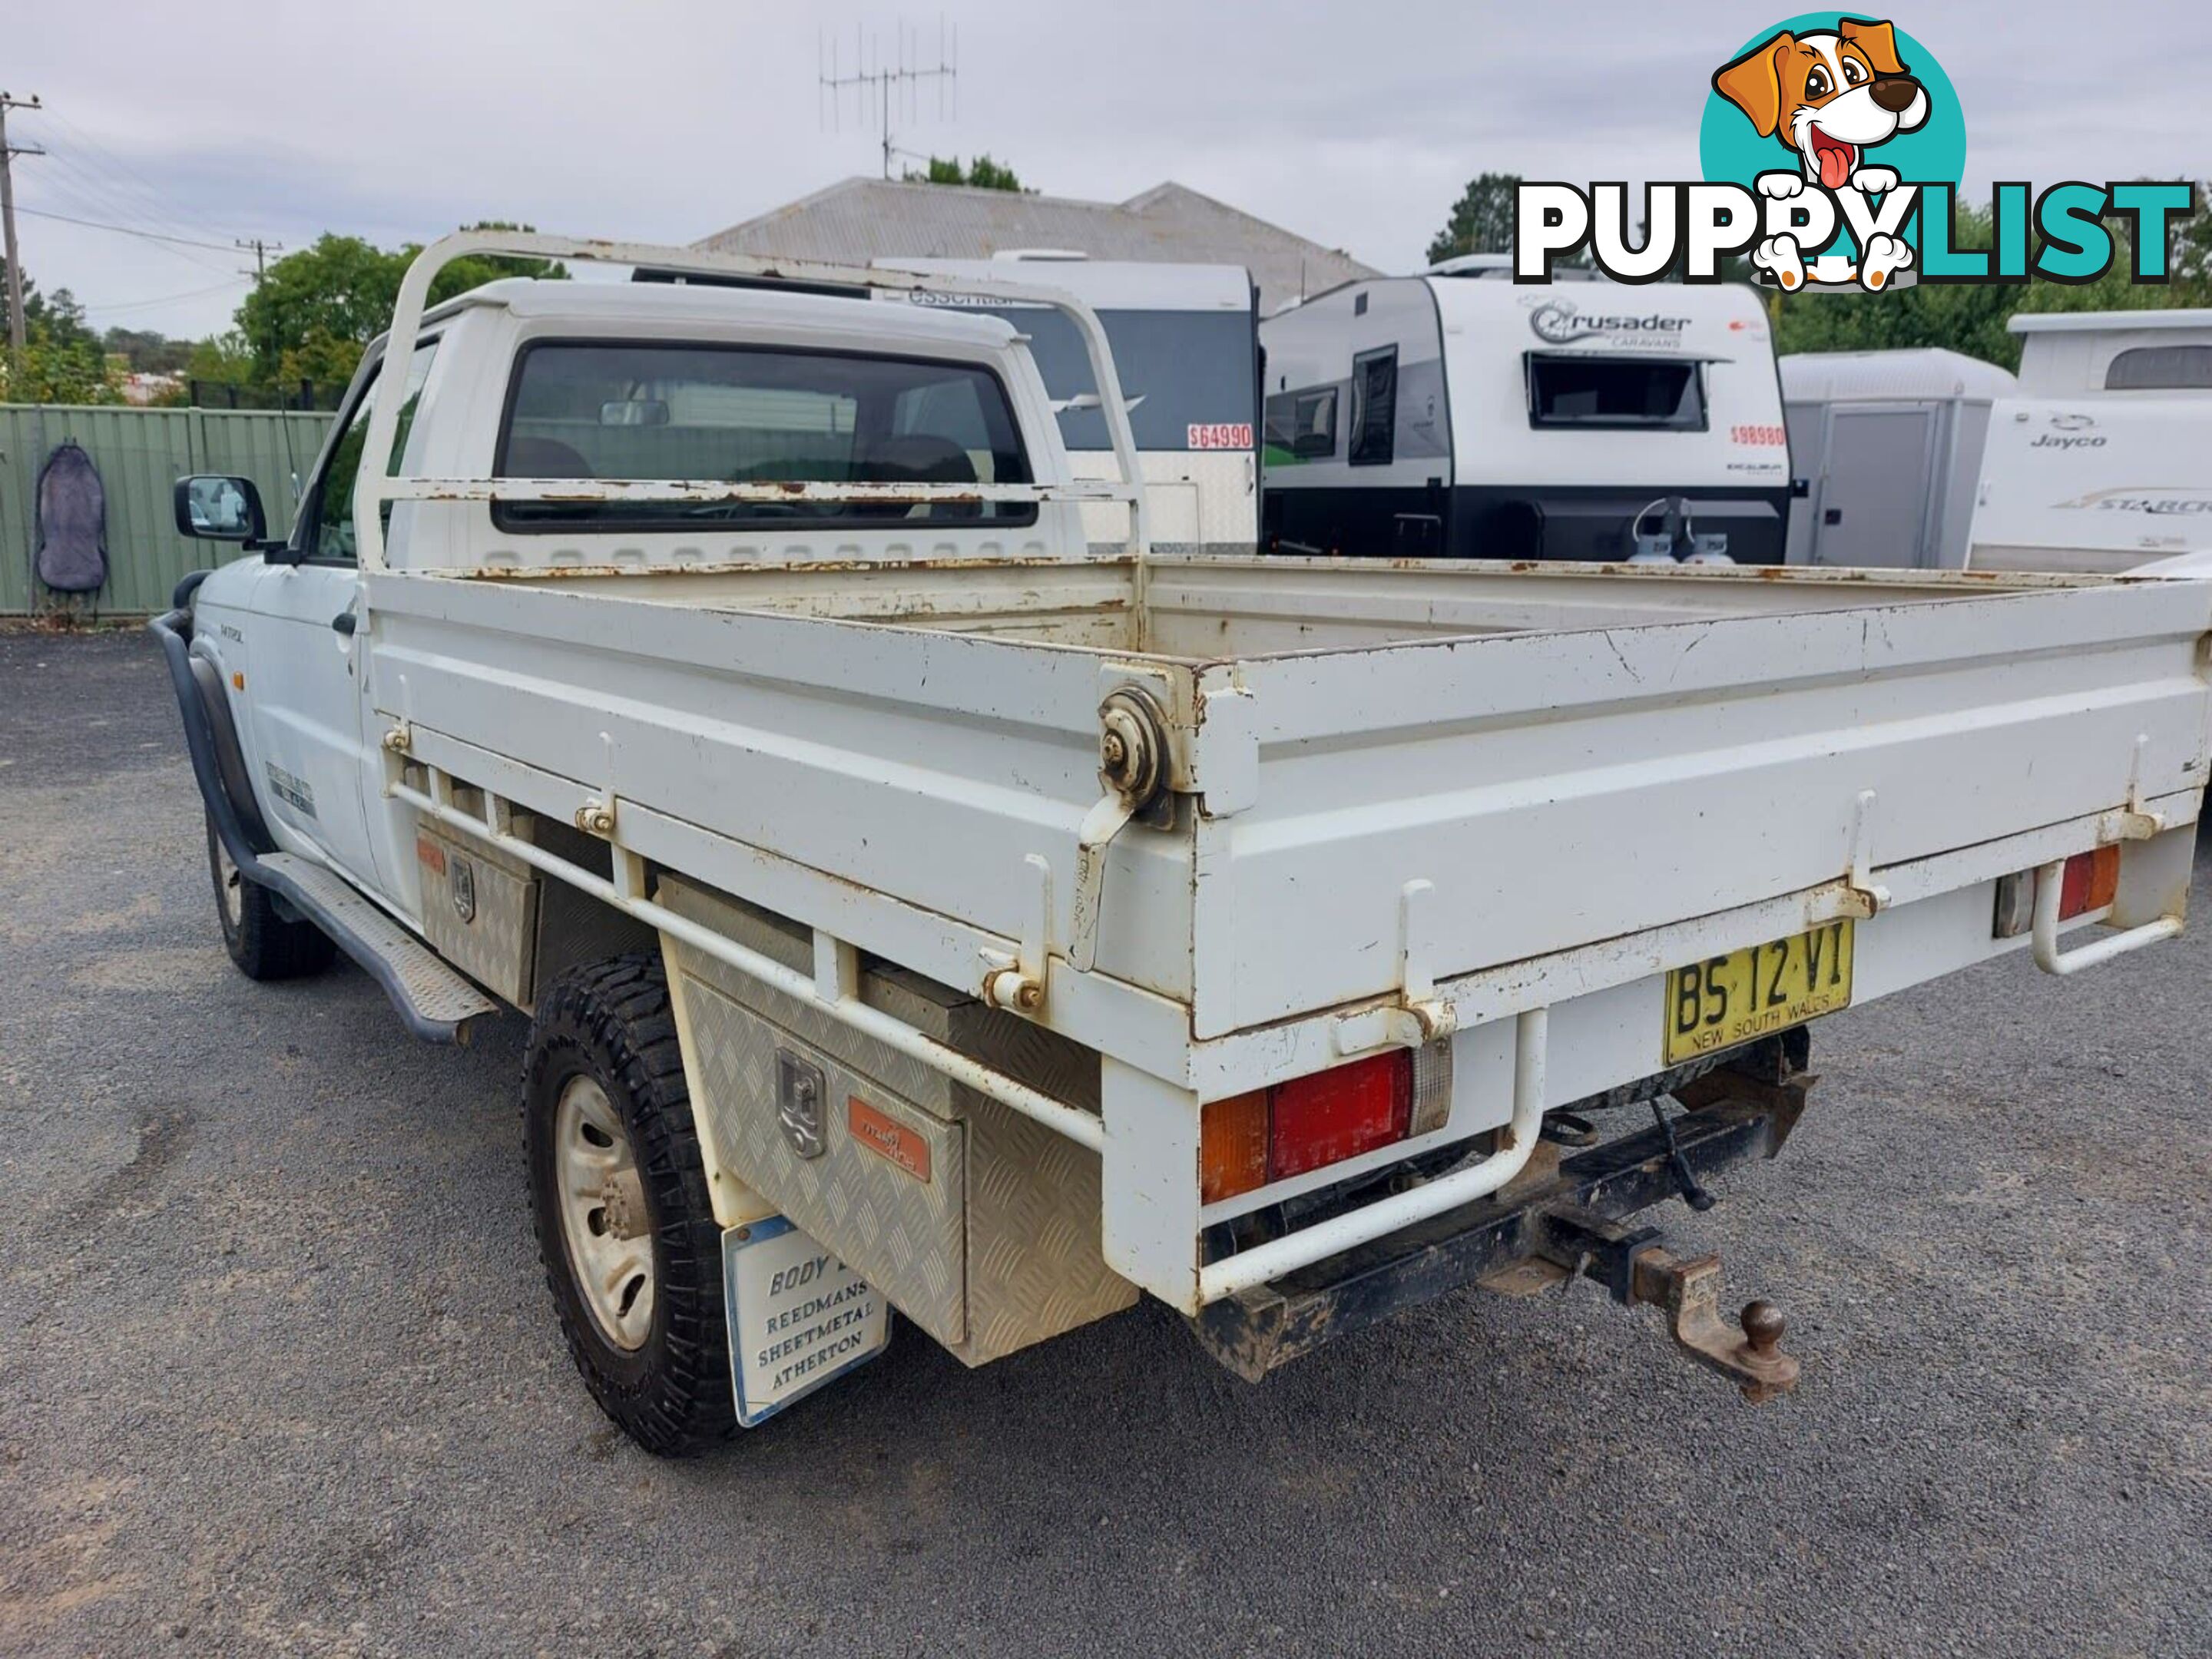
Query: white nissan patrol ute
{"points": [[920, 908]]}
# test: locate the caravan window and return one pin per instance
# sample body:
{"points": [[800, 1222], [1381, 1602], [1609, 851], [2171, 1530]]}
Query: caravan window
{"points": [[1181, 372], [1303, 424], [1374, 407], [1647, 392], [639, 410], [2160, 368]]}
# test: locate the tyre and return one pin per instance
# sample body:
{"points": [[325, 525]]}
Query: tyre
{"points": [[618, 1195], [265, 944]]}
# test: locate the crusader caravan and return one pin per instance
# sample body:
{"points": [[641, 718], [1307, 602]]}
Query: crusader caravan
{"points": [[1186, 344], [1455, 414]]}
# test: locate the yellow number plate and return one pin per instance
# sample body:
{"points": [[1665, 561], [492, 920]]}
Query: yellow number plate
{"points": [[1724, 1001]]}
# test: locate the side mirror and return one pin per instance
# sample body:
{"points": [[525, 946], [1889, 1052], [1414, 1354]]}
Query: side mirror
{"points": [[216, 508]]}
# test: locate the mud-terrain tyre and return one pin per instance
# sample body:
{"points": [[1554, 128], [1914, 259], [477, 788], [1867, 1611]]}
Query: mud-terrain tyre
{"points": [[618, 1196], [263, 943]]}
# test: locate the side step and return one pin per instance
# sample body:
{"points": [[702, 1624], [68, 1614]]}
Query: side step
{"points": [[437, 1003]]}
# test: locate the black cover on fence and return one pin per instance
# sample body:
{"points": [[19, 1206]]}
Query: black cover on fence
{"points": [[72, 550]]}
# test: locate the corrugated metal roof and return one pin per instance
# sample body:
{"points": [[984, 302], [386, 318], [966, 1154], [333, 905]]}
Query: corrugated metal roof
{"points": [[858, 221]]}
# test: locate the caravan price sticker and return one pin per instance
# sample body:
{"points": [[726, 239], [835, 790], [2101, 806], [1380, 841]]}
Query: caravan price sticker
{"points": [[1220, 434]]}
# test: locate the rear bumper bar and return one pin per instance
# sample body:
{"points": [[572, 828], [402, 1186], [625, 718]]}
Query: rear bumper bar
{"points": [[1254, 1331]]}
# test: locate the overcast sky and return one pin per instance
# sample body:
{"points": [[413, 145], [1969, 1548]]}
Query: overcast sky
{"points": [[667, 120]]}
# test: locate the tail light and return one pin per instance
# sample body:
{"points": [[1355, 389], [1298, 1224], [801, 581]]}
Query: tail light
{"points": [[2090, 882], [1232, 1144], [1313, 1122], [1310, 1122]]}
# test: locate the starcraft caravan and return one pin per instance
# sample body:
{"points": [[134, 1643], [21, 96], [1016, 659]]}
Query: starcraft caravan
{"points": [[1186, 345], [1455, 414], [2104, 463]]}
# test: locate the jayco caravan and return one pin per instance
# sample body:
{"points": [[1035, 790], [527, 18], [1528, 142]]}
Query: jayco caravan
{"points": [[1452, 413], [1186, 337], [2105, 461], [2065, 353]]}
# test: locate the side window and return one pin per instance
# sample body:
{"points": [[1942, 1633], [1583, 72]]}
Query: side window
{"points": [[2160, 368], [1374, 407], [332, 534], [1302, 425]]}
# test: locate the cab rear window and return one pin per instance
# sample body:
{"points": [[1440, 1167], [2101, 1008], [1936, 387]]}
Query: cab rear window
{"points": [[742, 414]]}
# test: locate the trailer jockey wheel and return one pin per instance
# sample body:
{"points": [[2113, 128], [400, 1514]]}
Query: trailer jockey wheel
{"points": [[618, 1194]]}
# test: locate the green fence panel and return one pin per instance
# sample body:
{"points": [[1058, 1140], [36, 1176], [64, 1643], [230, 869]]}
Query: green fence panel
{"points": [[141, 453]]}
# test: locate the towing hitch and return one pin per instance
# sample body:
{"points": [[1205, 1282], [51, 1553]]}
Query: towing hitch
{"points": [[1635, 1268], [1564, 1218]]}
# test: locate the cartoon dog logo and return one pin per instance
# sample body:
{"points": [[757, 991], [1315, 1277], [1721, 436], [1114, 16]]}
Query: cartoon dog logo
{"points": [[1827, 97]]}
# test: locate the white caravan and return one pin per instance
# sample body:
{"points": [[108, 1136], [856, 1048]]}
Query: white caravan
{"points": [[2066, 354], [2104, 462], [1186, 340], [2097, 484], [1889, 444], [1457, 414]]}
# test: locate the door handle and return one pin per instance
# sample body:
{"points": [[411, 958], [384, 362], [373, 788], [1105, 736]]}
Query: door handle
{"points": [[345, 622]]}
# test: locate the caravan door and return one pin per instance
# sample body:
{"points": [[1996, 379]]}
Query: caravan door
{"points": [[1872, 508]]}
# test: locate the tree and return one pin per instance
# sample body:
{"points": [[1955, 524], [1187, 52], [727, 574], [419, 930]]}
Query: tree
{"points": [[1972, 317], [314, 311], [981, 174], [1481, 221], [61, 361], [146, 351]]}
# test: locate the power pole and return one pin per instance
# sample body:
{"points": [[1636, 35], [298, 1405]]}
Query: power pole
{"points": [[905, 77], [261, 249], [8, 153]]}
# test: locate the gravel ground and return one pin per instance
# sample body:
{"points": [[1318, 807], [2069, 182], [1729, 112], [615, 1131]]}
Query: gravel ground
{"points": [[279, 1372]]}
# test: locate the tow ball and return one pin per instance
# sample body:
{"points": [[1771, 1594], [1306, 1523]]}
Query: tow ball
{"points": [[1636, 1268]]}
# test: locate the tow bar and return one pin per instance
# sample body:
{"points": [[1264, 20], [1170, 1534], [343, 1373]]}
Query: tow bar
{"points": [[1561, 1220], [1636, 1268]]}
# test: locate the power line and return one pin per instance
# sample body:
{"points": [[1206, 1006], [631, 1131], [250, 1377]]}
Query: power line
{"points": [[166, 299], [153, 206], [124, 230], [76, 197], [105, 199]]}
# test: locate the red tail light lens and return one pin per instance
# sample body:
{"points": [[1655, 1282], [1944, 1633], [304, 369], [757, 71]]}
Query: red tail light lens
{"points": [[1308, 1123], [1331, 1116], [2090, 883]]}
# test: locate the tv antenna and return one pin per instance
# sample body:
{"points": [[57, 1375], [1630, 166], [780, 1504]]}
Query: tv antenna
{"points": [[891, 88]]}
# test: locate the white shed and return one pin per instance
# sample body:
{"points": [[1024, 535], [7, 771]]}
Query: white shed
{"points": [[1888, 445]]}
